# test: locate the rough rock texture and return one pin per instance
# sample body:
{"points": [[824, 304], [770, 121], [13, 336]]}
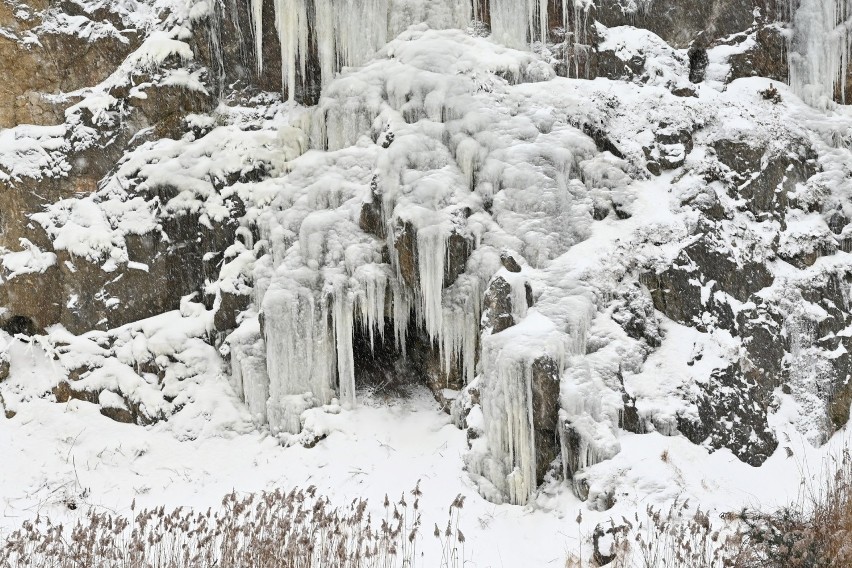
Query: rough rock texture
{"points": [[544, 375], [43, 55], [680, 24], [497, 307]]}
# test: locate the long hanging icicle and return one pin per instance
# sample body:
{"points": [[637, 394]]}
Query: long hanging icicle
{"points": [[542, 20], [431, 255], [325, 24], [510, 22], [575, 34], [349, 32], [291, 21], [256, 14]]}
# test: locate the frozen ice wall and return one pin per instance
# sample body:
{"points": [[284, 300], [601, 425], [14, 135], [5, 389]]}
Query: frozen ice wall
{"points": [[507, 392], [429, 163], [820, 47]]}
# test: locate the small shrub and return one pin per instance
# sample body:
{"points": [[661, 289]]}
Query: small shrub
{"points": [[771, 94], [815, 532]]}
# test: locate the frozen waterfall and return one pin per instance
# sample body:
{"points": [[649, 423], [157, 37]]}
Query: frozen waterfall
{"points": [[819, 50]]}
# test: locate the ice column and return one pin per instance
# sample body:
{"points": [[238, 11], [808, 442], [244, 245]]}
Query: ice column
{"points": [[508, 359], [301, 358], [249, 377], [343, 324], [509, 424], [256, 13], [819, 50]]}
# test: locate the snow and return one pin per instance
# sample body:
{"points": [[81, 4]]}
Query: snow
{"points": [[158, 47], [32, 152], [58, 453], [28, 261]]}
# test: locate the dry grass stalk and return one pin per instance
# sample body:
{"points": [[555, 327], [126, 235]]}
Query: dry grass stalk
{"points": [[296, 529], [814, 532]]}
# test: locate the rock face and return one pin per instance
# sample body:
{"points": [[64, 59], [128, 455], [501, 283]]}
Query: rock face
{"points": [[50, 48], [681, 24], [445, 226]]}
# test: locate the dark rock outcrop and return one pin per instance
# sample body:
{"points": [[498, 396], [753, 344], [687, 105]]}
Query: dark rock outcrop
{"points": [[497, 307]]}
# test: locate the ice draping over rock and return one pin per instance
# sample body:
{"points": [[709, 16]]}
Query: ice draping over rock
{"points": [[507, 389]]}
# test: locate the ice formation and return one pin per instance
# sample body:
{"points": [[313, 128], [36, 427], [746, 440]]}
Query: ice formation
{"points": [[820, 48], [421, 144]]}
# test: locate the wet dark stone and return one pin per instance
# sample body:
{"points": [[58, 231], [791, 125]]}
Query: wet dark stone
{"points": [[509, 262], [698, 62]]}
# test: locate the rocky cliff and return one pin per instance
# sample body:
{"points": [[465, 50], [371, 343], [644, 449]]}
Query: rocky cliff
{"points": [[570, 220]]}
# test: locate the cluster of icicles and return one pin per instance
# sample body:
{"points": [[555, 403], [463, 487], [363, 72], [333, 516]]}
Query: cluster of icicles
{"points": [[313, 333], [819, 49], [349, 32]]}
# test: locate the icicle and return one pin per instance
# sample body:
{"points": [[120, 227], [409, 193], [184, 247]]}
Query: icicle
{"points": [[510, 22], [543, 21], [291, 21], [509, 422], [348, 33], [507, 402], [214, 26], [431, 256], [300, 355], [325, 29], [401, 315], [575, 33], [517, 23], [256, 14], [343, 325], [249, 376], [371, 306], [460, 328]]}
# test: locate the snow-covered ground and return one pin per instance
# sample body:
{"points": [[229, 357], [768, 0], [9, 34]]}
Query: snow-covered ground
{"points": [[56, 455]]}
